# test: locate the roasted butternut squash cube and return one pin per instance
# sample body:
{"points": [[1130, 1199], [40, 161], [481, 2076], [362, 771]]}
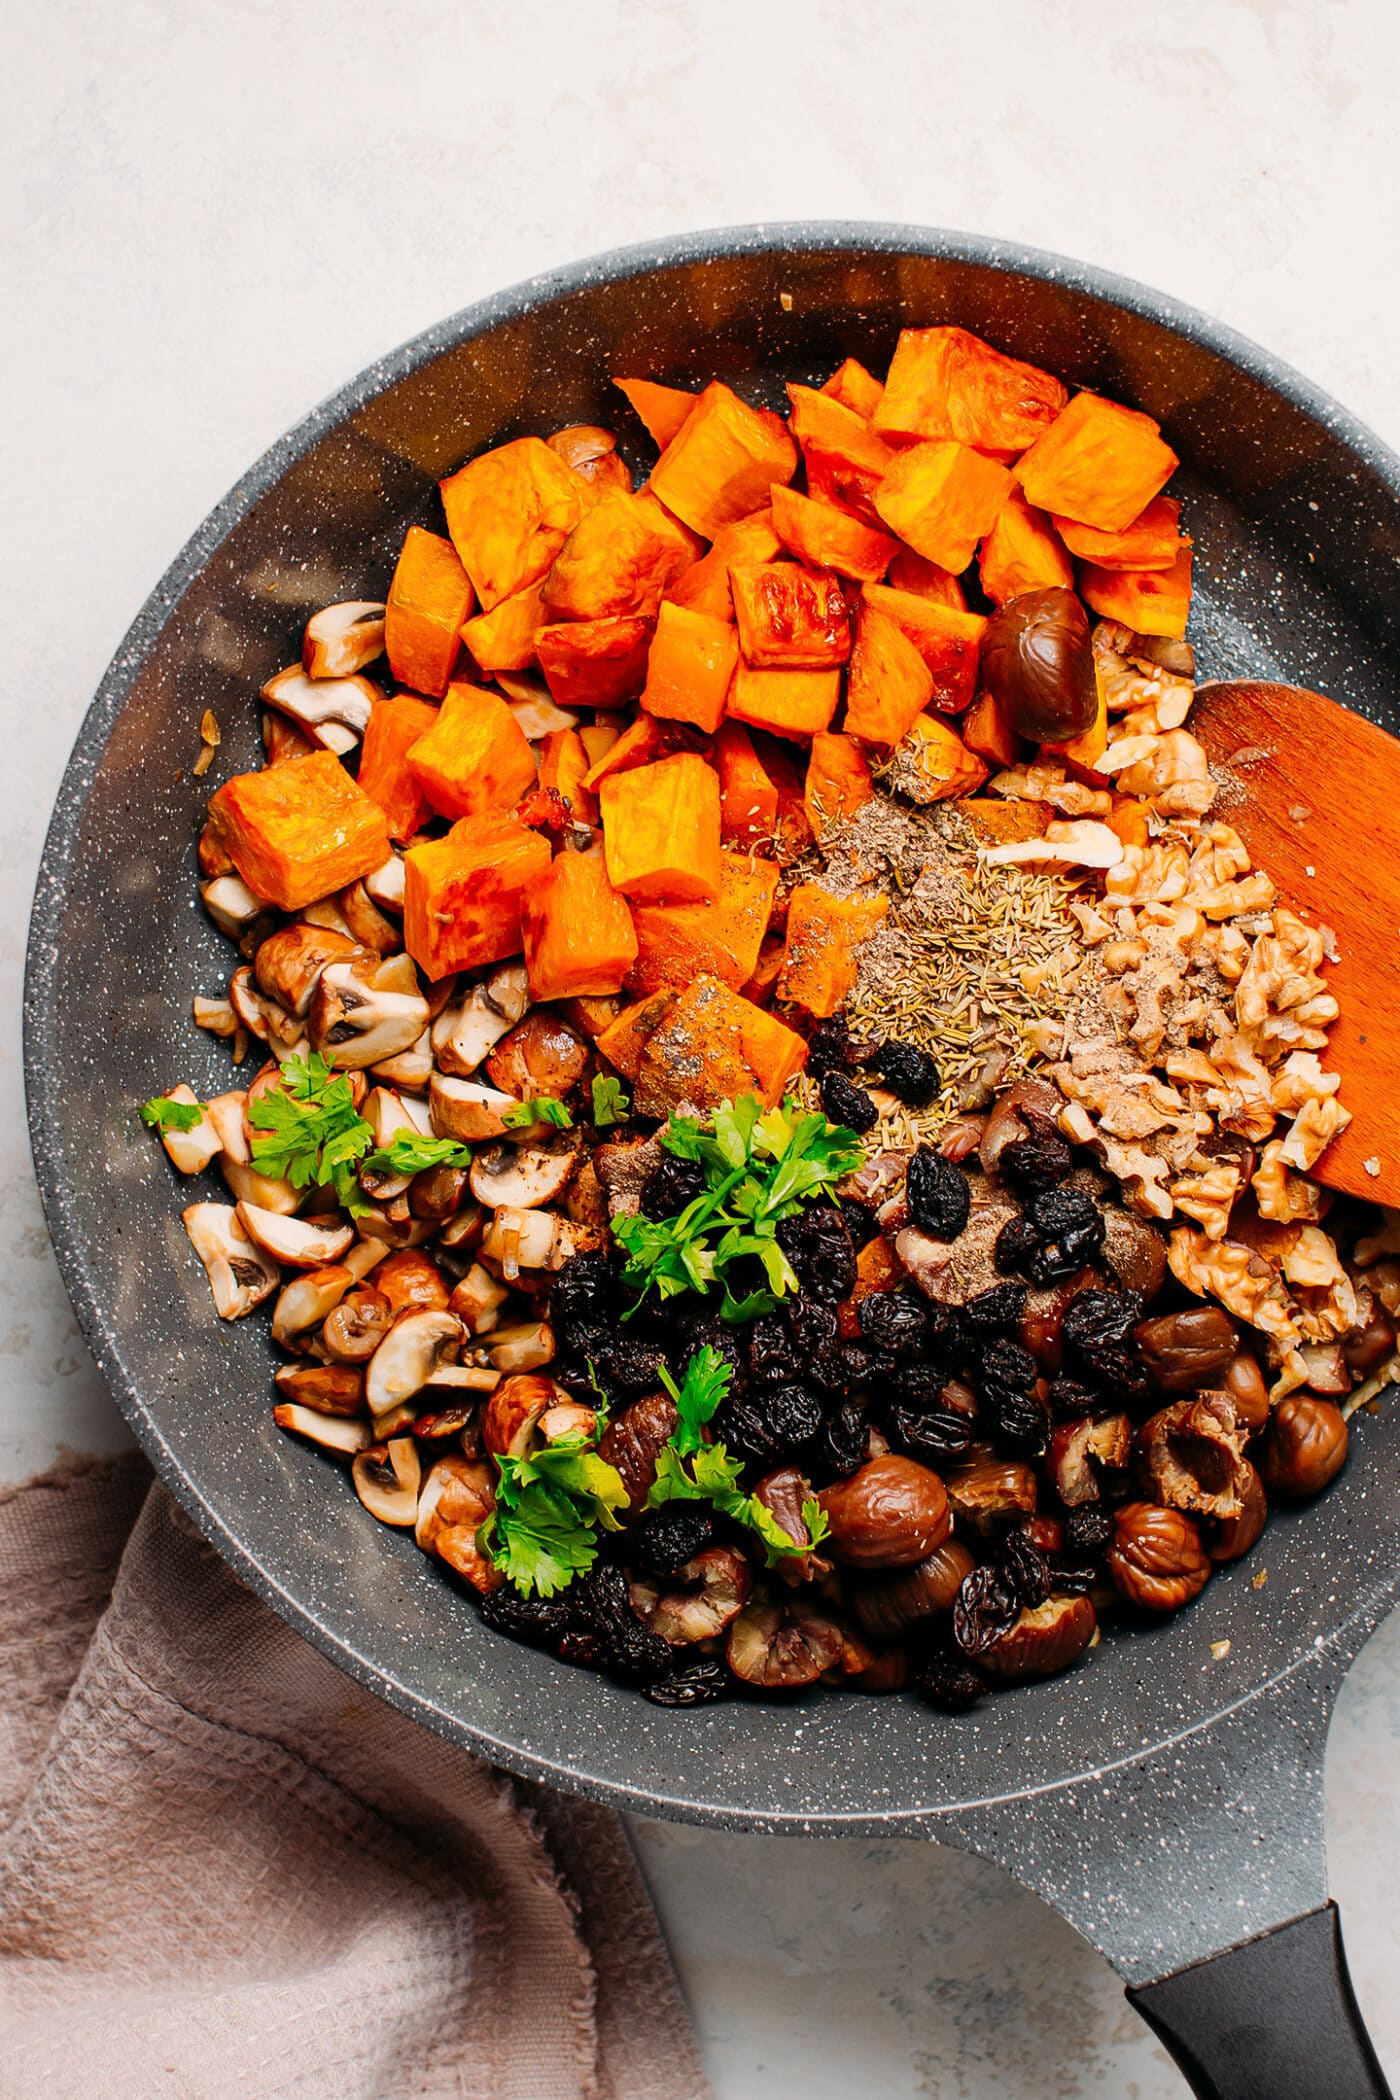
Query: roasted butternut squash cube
{"points": [[643, 741], [594, 663], [1022, 552], [937, 764], [705, 587], [463, 894], [844, 459], [790, 617], [827, 538], [999, 823], [838, 780], [660, 409], [764, 982], [299, 830], [984, 729], [618, 559], [948, 640], [1152, 541], [789, 703], [1098, 464], [504, 639], [429, 598], [578, 933], [821, 952], [475, 756], [509, 511], [624, 1039], [712, 1045], [780, 762], [889, 684], [385, 774], [564, 767], [855, 388], [925, 579], [946, 383], [878, 1268], [1150, 601], [661, 830], [678, 942], [689, 667], [748, 799], [942, 498], [722, 461]]}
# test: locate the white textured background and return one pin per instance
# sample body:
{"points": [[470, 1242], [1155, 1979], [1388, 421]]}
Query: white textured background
{"points": [[215, 214]]}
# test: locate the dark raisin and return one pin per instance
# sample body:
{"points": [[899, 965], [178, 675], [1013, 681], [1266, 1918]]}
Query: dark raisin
{"points": [[583, 1646], [694, 1684], [584, 1293], [1026, 1569], [708, 1331], [1057, 1234], [818, 1243], [843, 1445], [947, 1342], [908, 1072], [630, 1651], [892, 1320], [666, 1538], [1017, 1245], [1088, 1529], [847, 1104], [770, 1424], [538, 1621], [995, 1311], [918, 1384], [816, 1336], [772, 1359], [950, 1683], [861, 1362], [1035, 1162], [935, 1435], [1018, 1422], [1097, 1336], [628, 1365], [1069, 1399], [940, 1194], [830, 1048], [983, 1610], [1006, 1363], [671, 1186]]}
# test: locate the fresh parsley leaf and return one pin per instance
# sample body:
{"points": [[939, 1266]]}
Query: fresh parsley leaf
{"points": [[690, 1470], [161, 1113], [409, 1152], [707, 1380], [550, 1505], [311, 1131], [611, 1102], [542, 1109]]}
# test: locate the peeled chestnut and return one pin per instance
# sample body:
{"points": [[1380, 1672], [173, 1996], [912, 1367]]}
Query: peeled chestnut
{"points": [[890, 1514], [1244, 1382], [1230, 1538], [1367, 1349], [1038, 666], [782, 1647], [887, 1607], [1183, 1350], [988, 1492], [1305, 1446], [1042, 1642], [1156, 1559]]}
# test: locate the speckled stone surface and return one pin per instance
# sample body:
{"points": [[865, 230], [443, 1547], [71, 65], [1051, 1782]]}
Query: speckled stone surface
{"points": [[92, 164]]}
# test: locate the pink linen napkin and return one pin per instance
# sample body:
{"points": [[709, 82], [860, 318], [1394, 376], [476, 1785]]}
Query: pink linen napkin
{"points": [[225, 1869]]}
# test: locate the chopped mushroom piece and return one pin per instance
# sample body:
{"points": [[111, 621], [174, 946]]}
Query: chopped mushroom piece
{"points": [[216, 1015], [466, 1110], [341, 639], [332, 1433], [329, 1389], [369, 925], [405, 1360], [365, 1010], [240, 1274], [478, 1299], [384, 886], [456, 1499], [191, 1150], [512, 1413], [411, 1069], [245, 1183], [522, 1348], [265, 1018], [333, 712], [299, 1242], [289, 963], [306, 1301], [233, 907], [466, 1031], [387, 1479], [526, 1176]]}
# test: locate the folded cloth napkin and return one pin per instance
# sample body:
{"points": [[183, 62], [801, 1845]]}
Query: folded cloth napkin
{"points": [[225, 1869]]}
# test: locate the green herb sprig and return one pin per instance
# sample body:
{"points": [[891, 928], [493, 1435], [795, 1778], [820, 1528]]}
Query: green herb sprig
{"points": [[409, 1152], [542, 1108], [611, 1101], [550, 1506], [160, 1113], [312, 1134], [712, 1475]]}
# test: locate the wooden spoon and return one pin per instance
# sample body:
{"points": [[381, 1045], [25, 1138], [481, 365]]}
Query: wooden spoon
{"points": [[1321, 813]]}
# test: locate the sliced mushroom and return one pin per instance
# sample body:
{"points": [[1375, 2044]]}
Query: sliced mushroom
{"points": [[466, 1031], [466, 1110], [334, 1434], [191, 1150], [333, 712], [390, 1114], [365, 1010], [356, 1326], [701, 1599], [457, 1497], [289, 963], [282, 740], [462, 1378], [524, 1239], [567, 1418], [782, 1647], [409, 1278], [509, 1418], [296, 1241], [409, 1354], [541, 1055], [384, 886], [330, 1389], [216, 1015], [524, 1347], [525, 1176], [394, 1225], [462, 1234], [306, 1301], [240, 1274], [233, 907], [387, 1479], [246, 1184], [438, 1193], [478, 1299], [265, 1018], [411, 1069], [534, 711], [326, 912], [367, 922], [341, 639]]}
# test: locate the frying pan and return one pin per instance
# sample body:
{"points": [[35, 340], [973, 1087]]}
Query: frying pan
{"points": [[1166, 1797]]}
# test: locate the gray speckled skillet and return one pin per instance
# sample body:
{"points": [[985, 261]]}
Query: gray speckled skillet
{"points": [[1169, 1805]]}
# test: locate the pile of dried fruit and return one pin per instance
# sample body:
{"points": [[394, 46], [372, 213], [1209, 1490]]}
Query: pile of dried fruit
{"points": [[785, 1142]]}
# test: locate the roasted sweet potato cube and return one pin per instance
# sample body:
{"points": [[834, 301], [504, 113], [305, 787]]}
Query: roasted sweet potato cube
{"points": [[643, 741], [722, 461], [855, 388], [1098, 464], [618, 559], [946, 383], [1152, 541], [623, 1040], [878, 1268], [429, 598], [564, 767], [942, 497], [999, 823], [689, 667], [748, 799], [1150, 601], [705, 587], [474, 757], [678, 942], [889, 684], [838, 780], [789, 703], [821, 953], [660, 409], [827, 538], [509, 511], [844, 459], [661, 830], [791, 618], [1022, 552], [780, 762], [984, 730], [948, 640], [578, 933], [463, 894], [712, 1045], [298, 831], [937, 764], [764, 982], [925, 579], [595, 663], [504, 638], [385, 774]]}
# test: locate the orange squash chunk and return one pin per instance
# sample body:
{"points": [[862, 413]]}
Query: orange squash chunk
{"points": [[564, 767], [298, 831], [661, 830], [689, 667], [845, 460], [940, 763], [678, 942], [855, 388], [463, 894], [819, 956], [509, 511], [946, 383], [578, 933], [474, 757], [641, 742], [722, 461], [594, 663], [618, 559], [790, 617], [838, 780], [878, 1268], [712, 1045], [1150, 601], [504, 639], [1098, 464], [889, 685], [793, 830], [385, 774], [660, 409], [748, 799], [828, 538], [705, 587], [948, 641], [789, 703], [764, 982], [624, 1039], [984, 730], [942, 497], [1022, 553], [429, 598], [1152, 541], [925, 579]]}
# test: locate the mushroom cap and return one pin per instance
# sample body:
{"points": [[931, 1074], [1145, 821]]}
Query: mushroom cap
{"points": [[240, 1274], [301, 1243], [341, 639], [410, 1352], [529, 1175], [387, 1478]]}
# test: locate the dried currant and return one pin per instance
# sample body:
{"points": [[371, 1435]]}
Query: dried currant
{"points": [[940, 1194], [1016, 1417], [983, 1610], [816, 1337], [893, 1320], [908, 1072], [670, 1187], [995, 1311], [934, 1435], [1036, 1162], [843, 1445], [1059, 1231], [918, 1384], [666, 1538], [846, 1103], [950, 1683], [584, 1293], [830, 1048], [1026, 1570], [1097, 1334], [629, 1365], [628, 1651], [770, 1424], [818, 1244], [540, 1622], [772, 1359], [1088, 1529], [694, 1684], [1069, 1399]]}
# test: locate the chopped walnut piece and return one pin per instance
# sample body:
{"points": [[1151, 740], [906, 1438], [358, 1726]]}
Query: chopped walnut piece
{"points": [[1301, 1079], [1281, 1194], [1312, 1259], [1175, 775], [1312, 1131], [1153, 874], [1242, 1280], [1130, 677], [1208, 1197]]}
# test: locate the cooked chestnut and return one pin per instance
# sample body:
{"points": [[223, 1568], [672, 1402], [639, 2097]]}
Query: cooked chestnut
{"points": [[1182, 1351], [1304, 1447], [886, 1607], [987, 1493], [1135, 1250], [1230, 1538], [1156, 1559], [890, 1514], [1244, 1382], [1191, 1456], [1371, 1345], [697, 1603], [1038, 665], [1042, 1642], [782, 1646], [632, 1443], [1078, 1451]]}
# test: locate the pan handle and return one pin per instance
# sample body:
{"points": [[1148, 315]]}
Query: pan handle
{"points": [[1273, 2019]]}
